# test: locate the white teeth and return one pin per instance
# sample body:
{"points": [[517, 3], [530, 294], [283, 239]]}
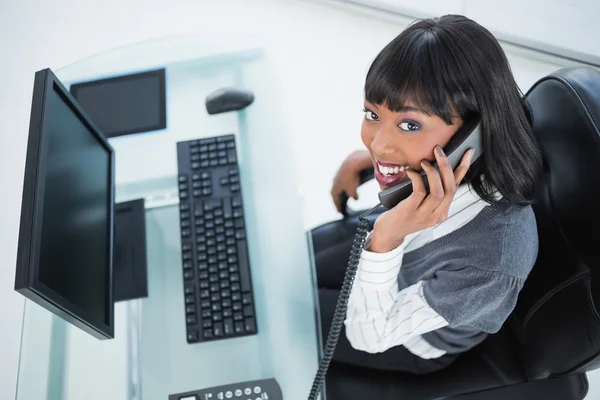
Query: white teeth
{"points": [[387, 171]]}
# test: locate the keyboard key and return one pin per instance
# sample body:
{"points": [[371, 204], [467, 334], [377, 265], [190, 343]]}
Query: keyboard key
{"points": [[248, 311], [249, 325], [239, 327], [228, 326], [227, 210], [246, 298], [192, 336], [244, 266], [238, 316], [191, 319], [189, 290], [218, 329], [208, 334], [190, 309]]}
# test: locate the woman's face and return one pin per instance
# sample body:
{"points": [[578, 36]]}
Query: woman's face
{"points": [[397, 140]]}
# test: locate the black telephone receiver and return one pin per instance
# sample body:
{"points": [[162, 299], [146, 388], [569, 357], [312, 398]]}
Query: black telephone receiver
{"points": [[468, 137]]}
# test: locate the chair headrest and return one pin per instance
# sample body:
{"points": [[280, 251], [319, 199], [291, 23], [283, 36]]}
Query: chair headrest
{"points": [[566, 122]]}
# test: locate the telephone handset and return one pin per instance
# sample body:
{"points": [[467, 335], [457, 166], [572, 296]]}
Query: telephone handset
{"points": [[468, 137]]}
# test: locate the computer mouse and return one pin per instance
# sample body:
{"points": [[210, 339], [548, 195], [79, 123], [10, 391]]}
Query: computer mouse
{"points": [[228, 99]]}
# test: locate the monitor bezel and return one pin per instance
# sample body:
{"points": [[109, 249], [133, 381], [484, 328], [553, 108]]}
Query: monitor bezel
{"points": [[27, 274], [159, 73]]}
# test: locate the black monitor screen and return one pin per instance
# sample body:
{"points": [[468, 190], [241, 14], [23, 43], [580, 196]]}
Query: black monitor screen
{"points": [[73, 256], [125, 104], [67, 219]]}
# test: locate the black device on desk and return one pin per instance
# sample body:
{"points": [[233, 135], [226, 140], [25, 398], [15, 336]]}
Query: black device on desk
{"points": [[130, 258], [65, 254], [265, 389], [469, 136], [125, 104], [219, 301]]}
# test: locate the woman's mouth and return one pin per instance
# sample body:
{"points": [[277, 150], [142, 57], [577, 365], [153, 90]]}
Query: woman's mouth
{"points": [[389, 174]]}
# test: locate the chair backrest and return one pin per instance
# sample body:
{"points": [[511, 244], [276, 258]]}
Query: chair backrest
{"points": [[557, 317]]}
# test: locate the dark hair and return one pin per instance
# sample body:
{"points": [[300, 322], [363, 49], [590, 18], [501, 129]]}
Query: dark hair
{"points": [[451, 65]]}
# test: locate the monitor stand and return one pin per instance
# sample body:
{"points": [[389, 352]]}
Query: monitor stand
{"points": [[130, 274]]}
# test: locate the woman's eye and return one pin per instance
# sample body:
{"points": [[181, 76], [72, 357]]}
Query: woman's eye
{"points": [[409, 126], [371, 116]]}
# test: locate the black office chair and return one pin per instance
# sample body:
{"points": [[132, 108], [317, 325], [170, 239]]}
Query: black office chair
{"points": [[553, 336]]}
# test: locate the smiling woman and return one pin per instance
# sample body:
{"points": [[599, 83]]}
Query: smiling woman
{"points": [[442, 269]]}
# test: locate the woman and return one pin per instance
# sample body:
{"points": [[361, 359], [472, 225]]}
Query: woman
{"points": [[439, 271]]}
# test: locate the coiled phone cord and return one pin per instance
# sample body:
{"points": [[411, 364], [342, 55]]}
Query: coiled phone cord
{"points": [[342, 302]]}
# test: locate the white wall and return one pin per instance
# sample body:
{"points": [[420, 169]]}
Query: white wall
{"points": [[569, 25], [322, 54]]}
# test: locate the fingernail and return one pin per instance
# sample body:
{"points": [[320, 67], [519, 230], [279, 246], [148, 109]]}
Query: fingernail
{"points": [[439, 150], [425, 163]]}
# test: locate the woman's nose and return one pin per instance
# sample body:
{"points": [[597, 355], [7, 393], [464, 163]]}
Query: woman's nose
{"points": [[383, 143]]}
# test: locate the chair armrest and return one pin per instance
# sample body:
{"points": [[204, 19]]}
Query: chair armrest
{"points": [[365, 175]]}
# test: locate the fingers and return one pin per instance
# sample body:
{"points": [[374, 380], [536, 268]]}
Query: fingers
{"points": [[448, 177], [436, 188], [451, 181], [418, 193], [463, 168]]}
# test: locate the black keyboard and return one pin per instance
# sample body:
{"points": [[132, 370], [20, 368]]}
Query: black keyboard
{"points": [[219, 301]]}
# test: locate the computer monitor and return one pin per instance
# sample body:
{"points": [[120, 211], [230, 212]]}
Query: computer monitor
{"points": [[130, 266], [125, 104], [65, 253]]}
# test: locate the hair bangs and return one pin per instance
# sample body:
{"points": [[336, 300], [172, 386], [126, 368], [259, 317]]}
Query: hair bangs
{"points": [[407, 75]]}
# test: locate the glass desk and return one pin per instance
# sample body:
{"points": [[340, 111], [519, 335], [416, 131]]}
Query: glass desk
{"points": [[150, 357]]}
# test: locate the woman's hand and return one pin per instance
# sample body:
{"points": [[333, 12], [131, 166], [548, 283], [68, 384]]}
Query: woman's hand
{"points": [[419, 210], [347, 178]]}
